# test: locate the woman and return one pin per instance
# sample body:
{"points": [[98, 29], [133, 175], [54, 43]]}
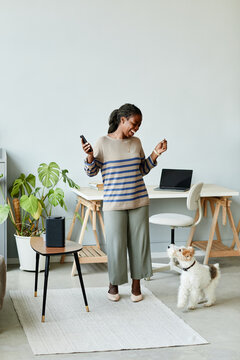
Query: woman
{"points": [[120, 157]]}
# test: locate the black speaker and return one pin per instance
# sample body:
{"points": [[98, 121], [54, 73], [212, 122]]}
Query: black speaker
{"points": [[55, 231]]}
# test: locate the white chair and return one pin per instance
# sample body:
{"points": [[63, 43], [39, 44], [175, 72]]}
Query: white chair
{"points": [[178, 220]]}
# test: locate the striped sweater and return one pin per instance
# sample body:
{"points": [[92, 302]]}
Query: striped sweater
{"points": [[123, 164]]}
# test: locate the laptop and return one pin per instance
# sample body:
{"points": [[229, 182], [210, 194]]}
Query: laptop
{"points": [[175, 179]]}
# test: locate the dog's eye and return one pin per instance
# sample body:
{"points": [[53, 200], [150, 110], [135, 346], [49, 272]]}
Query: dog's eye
{"points": [[180, 250]]}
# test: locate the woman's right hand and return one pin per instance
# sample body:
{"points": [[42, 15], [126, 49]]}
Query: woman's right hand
{"points": [[86, 147]]}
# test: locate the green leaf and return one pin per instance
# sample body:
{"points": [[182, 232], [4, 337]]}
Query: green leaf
{"points": [[56, 197], [38, 213], [4, 211], [23, 185], [31, 179], [29, 204], [42, 203], [70, 182], [36, 190], [28, 188], [48, 174], [64, 172], [16, 187]]}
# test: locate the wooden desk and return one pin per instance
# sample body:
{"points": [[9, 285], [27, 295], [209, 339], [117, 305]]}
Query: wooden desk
{"points": [[217, 196]]}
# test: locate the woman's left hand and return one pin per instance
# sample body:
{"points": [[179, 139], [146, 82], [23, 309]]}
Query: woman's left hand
{"points": [[161, 147]]}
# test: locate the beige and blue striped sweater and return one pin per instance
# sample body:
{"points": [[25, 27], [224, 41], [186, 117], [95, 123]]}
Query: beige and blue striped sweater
{"points": [[123, 164]]}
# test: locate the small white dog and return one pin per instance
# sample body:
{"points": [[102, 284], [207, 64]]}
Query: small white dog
{"points": [[198, 282]]}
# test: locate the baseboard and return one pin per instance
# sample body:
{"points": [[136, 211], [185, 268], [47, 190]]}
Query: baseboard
{"points": [[69, 258], [163, 254], [54, 259]]}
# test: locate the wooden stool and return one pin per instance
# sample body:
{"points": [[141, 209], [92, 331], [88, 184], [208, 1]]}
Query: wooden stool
{"points": [[39, 246]]}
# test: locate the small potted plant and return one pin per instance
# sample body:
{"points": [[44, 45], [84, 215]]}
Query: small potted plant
{"points": [[31, 204]]}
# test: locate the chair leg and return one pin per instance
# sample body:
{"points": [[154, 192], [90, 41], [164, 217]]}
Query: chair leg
{"points": [[45, 287], [172, 265], [172, 236], [36, 274], [81, 280]]}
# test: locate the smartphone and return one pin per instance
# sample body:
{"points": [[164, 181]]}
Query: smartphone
{"points": [[85, 141]]}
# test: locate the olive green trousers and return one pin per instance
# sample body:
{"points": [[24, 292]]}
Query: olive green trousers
{"points": [[127, 231]]}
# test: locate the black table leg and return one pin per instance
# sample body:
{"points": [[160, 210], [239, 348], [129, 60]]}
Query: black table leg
{"points": [[81, 279], [36, 274], [45, 286]]}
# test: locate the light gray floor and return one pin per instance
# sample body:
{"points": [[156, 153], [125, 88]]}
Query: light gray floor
{"points": [[220, 324]]}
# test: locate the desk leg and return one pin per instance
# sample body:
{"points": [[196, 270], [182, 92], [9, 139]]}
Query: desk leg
{"points": [[36, 274], [212, 231], [71, 227], [84, 225], [82, 211], [236, 240], [81, 280], [73, 220], [45, 287], [217, 227], [238, 227], [193, 229], [94, 226]]}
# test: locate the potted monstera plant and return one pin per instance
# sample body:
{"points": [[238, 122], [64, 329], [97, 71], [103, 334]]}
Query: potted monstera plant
{"points": [[29, 205]]}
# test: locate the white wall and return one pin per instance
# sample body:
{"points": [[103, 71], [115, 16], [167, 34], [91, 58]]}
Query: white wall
{"points": [[66, 64]]}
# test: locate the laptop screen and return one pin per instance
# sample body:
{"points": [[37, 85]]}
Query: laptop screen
{"points": [[176, 179]]}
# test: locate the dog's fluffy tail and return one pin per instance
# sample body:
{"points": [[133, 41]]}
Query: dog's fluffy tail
{"points": [[217, 267], [214, 271]]}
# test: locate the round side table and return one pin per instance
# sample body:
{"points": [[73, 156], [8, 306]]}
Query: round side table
{"points": [[39, 246]]}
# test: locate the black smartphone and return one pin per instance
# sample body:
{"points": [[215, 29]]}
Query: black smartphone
{"points": [[85, 141]]}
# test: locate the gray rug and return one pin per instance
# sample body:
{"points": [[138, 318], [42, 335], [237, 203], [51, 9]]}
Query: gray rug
{"points": [[68, 328]]}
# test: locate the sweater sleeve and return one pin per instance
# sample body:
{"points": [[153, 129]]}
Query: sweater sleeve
{"points": [[146, 163], [93, 168]]}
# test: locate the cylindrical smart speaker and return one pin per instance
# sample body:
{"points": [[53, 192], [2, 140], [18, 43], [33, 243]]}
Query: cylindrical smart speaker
{"points": [[55, 231]]}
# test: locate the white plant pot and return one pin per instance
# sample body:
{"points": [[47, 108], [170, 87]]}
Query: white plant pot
{"points": [[27, 256]]}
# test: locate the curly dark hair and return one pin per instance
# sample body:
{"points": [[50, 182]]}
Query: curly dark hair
{"points": [[126, 110]]}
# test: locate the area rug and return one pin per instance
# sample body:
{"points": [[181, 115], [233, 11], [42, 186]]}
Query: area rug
{"points": [[68, 328]]}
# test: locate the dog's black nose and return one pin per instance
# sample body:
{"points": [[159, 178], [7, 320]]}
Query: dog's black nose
{"points": [[168, 246]]}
